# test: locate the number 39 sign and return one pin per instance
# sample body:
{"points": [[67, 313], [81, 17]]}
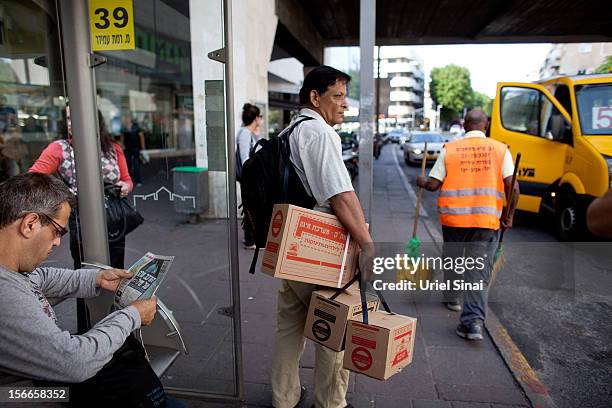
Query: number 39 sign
{"points": [[111, 24]]}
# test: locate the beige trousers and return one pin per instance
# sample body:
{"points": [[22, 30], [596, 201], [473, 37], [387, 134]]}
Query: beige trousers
{"points": [[330, 379]]}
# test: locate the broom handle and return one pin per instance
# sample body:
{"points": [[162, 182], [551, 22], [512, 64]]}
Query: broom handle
{"points": [[419, 193], [510, 194]]}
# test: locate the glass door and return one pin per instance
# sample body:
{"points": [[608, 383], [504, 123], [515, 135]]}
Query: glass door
{"points": [[164, 102]]}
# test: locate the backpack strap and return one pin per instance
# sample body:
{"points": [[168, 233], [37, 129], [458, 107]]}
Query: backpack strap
{"points": [[284, 134], [287, 134]]}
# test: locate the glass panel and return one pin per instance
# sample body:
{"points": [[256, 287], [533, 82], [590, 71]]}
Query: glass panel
{"points": [[519, 109], [31, 84], [164, 102], [595, 108], [33, 123]]}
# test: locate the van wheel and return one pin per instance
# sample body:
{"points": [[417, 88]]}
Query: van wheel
{"points": [[567, 216]]}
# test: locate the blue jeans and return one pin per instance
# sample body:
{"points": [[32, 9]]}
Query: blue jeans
{"points": [[470, 243]]}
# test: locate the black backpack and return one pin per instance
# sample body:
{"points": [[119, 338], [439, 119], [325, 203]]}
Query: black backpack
{"points": [[268, 177]]}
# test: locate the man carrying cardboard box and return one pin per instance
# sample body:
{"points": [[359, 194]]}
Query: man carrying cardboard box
{"points": [[316, 153]]}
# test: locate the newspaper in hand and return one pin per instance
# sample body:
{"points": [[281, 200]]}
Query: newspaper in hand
{"points": [[148, 274]]}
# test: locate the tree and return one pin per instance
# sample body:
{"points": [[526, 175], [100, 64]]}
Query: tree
{"points": [[451, 87], [605, 67], [480, 100]]}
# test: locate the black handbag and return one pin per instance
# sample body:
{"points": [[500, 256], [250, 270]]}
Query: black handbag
{"points": [[121, 218]]}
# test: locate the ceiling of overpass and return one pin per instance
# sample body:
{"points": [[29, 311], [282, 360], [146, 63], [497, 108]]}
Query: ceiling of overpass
{"points": [[403, 22]]}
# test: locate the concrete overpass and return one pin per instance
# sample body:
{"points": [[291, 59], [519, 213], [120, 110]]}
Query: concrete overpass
{"points": [[305, 28]]}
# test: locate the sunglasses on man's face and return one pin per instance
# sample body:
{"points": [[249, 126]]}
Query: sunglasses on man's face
{"points": [[59, 230]]}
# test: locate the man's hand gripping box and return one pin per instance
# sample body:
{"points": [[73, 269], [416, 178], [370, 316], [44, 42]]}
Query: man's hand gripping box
{"points": [[309, 246]]}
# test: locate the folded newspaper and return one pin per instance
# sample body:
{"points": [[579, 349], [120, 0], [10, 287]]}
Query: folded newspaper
{"points": [[148, 274]]}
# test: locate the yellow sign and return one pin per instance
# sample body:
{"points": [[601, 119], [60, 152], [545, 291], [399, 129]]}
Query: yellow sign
{"points": [[112, 25]]}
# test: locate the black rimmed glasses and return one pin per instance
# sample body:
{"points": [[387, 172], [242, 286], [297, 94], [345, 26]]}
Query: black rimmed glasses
{"points": [[59, 230]]}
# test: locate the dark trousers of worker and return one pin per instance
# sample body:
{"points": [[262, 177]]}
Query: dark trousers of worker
{"points": [[469, 243]]}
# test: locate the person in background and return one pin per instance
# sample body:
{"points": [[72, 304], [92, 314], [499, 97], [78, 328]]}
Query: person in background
{"points": [[58, 158], [8, 116], [246, 138], [599, 216], [472, 174], [133, 139]]}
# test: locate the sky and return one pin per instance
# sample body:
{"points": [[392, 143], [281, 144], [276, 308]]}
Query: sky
{"points": [[488, 63]]}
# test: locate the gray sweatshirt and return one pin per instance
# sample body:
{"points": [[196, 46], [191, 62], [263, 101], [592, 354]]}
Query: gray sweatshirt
{"points": [[31, 343]]}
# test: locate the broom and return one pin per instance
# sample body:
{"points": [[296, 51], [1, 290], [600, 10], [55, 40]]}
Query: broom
{"points": [[412, 248], [500, 258]]}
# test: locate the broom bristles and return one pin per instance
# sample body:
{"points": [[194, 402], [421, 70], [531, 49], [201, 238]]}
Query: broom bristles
{"points": [[497, 265]]}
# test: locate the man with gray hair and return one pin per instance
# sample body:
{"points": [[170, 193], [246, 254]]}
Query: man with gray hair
{"points": [[34, 211]]}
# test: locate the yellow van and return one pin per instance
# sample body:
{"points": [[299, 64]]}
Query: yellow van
{"points": [[563, 128]]}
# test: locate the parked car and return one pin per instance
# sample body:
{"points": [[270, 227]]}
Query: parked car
{"points": [[413, 150], [397, 134]]}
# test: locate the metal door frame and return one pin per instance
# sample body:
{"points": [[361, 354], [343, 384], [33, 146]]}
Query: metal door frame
{"points": [[79, 64]]}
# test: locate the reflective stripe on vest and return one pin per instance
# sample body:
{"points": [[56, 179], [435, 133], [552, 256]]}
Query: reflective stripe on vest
{"points": [[470, 210], [473, 190]]}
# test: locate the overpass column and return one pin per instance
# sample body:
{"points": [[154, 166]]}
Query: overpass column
{"points": [[367, 33]]}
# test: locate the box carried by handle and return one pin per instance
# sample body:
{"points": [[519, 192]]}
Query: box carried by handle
{"points": [[329, 312], [382, 344]]}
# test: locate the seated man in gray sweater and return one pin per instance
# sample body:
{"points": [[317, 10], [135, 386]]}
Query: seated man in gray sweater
{"points": [[34, 211]]}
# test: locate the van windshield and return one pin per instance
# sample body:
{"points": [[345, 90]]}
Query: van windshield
{"points": [[595, 108]]}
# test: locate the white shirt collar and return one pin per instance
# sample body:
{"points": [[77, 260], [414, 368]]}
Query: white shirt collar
{"points": [[475, 133], [312, 114]]}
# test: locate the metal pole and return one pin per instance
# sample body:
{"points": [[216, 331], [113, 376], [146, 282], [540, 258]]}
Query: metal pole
{"points": [[231, 191], [81, 87], [367, 32]]}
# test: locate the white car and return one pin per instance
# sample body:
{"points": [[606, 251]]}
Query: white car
{"points": [[413, 150]]}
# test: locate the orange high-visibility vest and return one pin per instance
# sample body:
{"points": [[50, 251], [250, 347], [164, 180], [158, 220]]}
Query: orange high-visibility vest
{"points": [[472, 193]]}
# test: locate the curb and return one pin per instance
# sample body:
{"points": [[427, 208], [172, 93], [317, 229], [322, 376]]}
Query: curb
{"points": [[534, 390]]}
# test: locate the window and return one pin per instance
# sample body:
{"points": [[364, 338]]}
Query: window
{"points": [[519, 109], [529, 111], [562, 94], [594, 104]]}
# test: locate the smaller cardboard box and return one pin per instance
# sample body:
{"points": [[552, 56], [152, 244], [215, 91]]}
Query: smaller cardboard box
{"points": [[327, 318], [309, 246], [381, 348]]}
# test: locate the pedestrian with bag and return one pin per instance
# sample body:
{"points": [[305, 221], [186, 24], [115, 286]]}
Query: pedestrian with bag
{"points": [[58, 158], [246, 138], [473, 174], [316, 157]]}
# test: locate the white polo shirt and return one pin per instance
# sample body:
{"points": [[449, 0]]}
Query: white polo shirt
{"points": [[438, 171], [316, 152]]}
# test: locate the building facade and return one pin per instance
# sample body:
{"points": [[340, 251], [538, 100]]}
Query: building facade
{"points": [[574, 58], [406, 79]]}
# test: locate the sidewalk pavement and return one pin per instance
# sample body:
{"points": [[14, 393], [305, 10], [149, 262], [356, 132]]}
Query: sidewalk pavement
{"points": [[446, 372]]}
